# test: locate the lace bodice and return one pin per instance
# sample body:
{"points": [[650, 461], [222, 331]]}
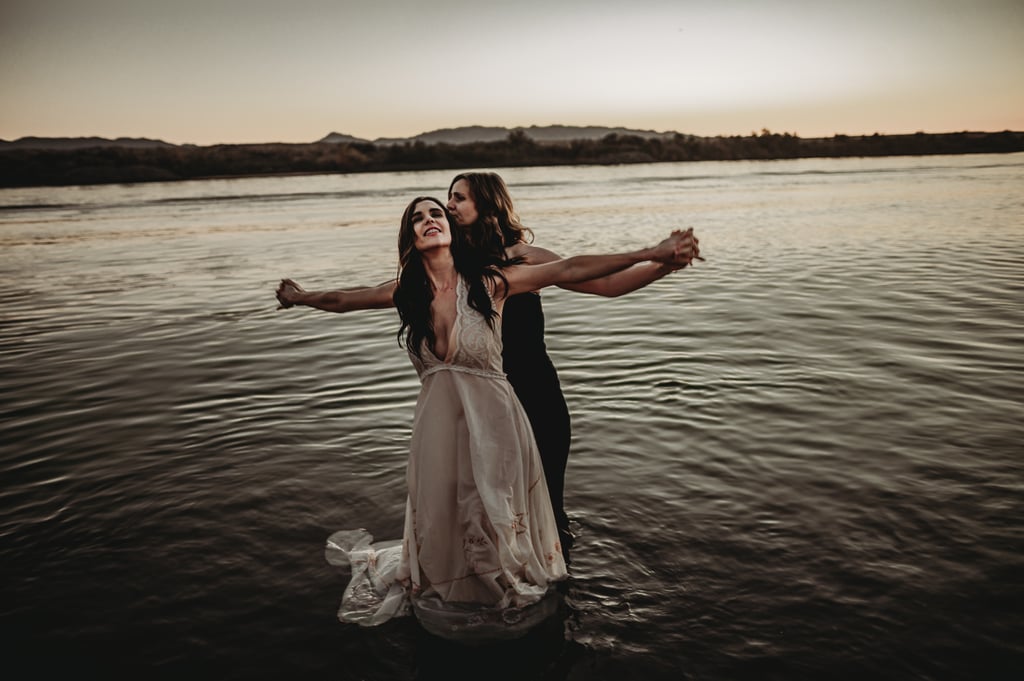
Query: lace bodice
{"points": [[474, 346]]}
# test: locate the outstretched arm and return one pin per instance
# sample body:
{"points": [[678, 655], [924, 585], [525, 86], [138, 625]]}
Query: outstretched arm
{"points": [[346, 300], [617, 283], [522, 278], [611, 285]]}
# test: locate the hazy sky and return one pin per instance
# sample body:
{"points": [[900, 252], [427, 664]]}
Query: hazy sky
{"points": [[211, 71]]}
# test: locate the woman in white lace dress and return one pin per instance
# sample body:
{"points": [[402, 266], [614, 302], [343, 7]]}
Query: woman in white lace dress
{"points": [[480, 534]]}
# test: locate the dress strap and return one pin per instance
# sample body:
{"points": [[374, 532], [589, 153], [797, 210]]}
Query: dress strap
{"points": [[434, 368]]}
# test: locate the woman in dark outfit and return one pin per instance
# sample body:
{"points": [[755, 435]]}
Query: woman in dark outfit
{"points": [[480, 204], [535, 382]]}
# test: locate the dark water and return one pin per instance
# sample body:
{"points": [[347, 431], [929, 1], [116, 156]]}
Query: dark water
{"points": [[798, 460]]}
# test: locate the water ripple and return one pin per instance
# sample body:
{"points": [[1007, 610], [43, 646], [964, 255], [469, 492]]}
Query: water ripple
{"points": [[796, 460]]}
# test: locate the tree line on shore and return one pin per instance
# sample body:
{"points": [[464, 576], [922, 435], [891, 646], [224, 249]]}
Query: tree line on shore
{"points": [[23, 167]]}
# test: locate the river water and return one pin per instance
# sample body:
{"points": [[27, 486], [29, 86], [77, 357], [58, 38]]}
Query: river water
{"points": [[800, 459]]}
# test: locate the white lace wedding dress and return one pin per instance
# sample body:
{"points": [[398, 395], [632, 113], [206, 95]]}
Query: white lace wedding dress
{"points": [[480, 545]]}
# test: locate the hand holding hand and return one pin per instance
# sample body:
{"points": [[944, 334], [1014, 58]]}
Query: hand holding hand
{"points": [[679, 249], [666, 251], [689, 251], [288, 293]]}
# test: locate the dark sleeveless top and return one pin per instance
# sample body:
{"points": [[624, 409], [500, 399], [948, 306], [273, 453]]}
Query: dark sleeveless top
{"points": [[523, 351], [535, 381]]}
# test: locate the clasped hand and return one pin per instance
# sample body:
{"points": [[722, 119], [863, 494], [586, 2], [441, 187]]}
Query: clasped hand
{"points": [[288, 292], [679, 249]]}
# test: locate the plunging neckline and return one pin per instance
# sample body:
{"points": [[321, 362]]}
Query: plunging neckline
{"points": [[450, 355]]}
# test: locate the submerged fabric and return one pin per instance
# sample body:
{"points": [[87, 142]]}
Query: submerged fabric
{"points": [[479, 527]]}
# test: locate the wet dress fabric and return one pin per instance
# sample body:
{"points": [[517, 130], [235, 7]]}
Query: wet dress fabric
{"points": [[479, 526]]}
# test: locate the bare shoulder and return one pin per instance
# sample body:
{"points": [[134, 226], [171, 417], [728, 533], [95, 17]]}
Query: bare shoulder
{"points": [[533, 255]]}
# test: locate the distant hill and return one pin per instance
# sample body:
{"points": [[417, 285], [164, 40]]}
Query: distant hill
{"points": [[94, 160], [342, 138], [470, 134], [479, 133], [463, 135], [82, 143], [566, 133]]}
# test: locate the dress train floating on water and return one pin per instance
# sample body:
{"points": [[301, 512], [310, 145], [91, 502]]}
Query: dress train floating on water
{"points": [[374, 595], [480, 552]]}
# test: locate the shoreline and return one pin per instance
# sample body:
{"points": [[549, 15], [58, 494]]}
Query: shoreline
{"points": [[40, 166]]}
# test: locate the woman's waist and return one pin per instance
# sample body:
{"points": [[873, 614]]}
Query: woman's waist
{"points": [[482, 372]]}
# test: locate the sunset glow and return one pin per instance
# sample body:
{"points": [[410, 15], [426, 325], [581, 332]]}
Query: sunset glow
{"points": [[228, 71]]}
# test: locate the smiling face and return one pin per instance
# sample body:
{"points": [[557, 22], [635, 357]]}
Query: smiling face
{"points": [[430, 225], [461, 203]]}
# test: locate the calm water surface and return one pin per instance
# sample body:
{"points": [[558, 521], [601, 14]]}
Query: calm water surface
{"points": [[800, 459]]}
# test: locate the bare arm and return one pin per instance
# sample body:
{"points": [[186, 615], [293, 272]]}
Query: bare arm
{"points": [[347, 300], [618, 283], [522, 278], [611, 285]]}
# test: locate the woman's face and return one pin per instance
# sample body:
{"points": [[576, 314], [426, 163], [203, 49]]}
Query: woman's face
{"points": [[461, 204], [431, 226]]}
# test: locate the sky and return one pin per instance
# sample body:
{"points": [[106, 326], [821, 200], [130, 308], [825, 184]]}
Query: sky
{"points": [[247, 71]]}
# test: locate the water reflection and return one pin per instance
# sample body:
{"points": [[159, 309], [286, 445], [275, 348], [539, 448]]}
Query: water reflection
{"points": [[544, 652], [799, 460]]}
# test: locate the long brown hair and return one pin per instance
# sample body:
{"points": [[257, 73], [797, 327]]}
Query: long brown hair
{"points": [[498, 225], [414, 294]]}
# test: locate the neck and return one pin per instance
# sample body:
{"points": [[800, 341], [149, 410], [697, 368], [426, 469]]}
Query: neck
{"points": [[440, 268]]}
